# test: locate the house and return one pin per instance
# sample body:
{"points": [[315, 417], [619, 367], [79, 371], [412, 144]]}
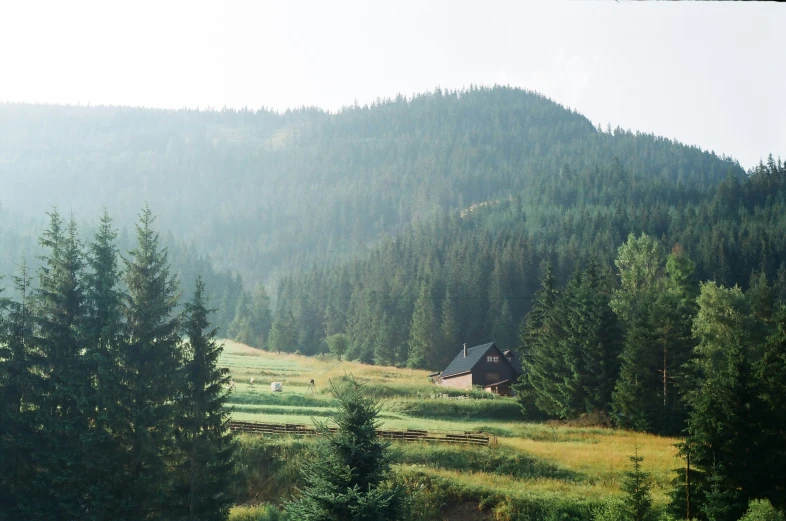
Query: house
{"points": [[484, 365]]}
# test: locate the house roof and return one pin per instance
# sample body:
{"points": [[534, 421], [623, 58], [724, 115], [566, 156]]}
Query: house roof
{"points": [[462, 364]]}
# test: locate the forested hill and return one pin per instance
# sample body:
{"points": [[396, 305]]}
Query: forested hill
{"points": [[471, 276], [262, 192]]}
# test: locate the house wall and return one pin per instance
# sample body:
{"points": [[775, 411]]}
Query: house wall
{"points": [[463, 381], [483, 369], [502, 390]]}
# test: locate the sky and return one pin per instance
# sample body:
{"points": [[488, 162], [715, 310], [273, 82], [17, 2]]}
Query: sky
{"points": [[704, 73]]}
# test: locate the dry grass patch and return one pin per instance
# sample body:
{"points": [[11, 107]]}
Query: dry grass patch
{"points": [[594, 457], [603, 458]]}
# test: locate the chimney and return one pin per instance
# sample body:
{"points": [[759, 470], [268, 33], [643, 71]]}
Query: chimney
{"points": [[465, 350]]}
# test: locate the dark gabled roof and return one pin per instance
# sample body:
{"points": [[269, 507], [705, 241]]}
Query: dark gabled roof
{"points": [[460, 364]]}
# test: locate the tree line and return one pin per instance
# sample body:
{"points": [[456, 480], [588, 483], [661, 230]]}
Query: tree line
{"points": [[657, 351], [112, 402], [471, 276]]}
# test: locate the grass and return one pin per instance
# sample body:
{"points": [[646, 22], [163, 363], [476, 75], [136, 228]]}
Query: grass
{"points": [[255, 513], [529, 465]]}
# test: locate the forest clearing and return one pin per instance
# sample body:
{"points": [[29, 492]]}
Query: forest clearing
{"points": [[533, 462]]}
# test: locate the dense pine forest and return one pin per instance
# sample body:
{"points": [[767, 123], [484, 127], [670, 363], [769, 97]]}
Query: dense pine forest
{"points": [[641, 282], [111, 401]]}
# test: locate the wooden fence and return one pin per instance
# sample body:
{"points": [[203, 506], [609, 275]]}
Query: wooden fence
{"points": [[410, 435]]}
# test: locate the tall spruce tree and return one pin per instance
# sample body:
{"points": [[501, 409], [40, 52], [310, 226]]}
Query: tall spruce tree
{"points": [[18, 381], [261, 316], [59, 337], [593, 343], [103, 338], [384, 341], [450, 330], [204, 440], [770, 373], [424, 333], [540, 350], [725, 424], [349, 478], [573, 345], [152, 372], [504, 329], [8, 415], [283, 336], [241, 326]]}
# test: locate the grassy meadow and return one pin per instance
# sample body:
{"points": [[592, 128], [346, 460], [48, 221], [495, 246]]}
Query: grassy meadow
{"points": [[527, 467]]}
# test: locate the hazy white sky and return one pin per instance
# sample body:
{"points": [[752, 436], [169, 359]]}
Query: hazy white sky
{"points": [[707, 74]]}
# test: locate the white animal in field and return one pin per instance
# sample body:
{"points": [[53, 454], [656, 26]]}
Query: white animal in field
{"points": [[251, 381]]}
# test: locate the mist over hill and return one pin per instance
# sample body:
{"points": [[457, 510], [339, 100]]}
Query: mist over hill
{"points": [[262, 193]]}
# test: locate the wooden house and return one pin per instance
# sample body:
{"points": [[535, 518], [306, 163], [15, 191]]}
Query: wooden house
{"points": [[485, 366]]}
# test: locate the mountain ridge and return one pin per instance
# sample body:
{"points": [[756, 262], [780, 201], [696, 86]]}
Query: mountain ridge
{"points": [[261, 192]]}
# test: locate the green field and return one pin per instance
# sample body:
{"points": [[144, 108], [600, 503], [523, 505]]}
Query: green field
{"points": [[528, 463]]}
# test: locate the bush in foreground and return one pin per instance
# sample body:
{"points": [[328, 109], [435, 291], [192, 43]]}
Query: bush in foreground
{"points": [[349, 478]]}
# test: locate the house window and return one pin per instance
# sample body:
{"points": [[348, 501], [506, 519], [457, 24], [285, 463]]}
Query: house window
{"points": [[492, 377], [492, 359]]}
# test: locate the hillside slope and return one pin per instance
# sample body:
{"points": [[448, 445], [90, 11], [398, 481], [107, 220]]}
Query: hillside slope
{"points": [[471, 276], [262, 192]]}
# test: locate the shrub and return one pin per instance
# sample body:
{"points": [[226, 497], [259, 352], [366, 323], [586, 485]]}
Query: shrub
{"points": [[762, 510], [610, 510], [349, 475], [256, 513], [457, 409]]}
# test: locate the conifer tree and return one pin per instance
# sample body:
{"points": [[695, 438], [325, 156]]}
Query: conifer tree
{"points": [[725, 422], [349, 478], [540, 351], [423, 334], [593, 338], [261, 317], [360, 326], [18, 381], [384, 341], [282, 334], [59, 317], [151, 350], [8, 416], [450, 331], [770, 373], [636, 485], [503, 330], [103, 339], [240, 327], [204, 440], [720, 502]]}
